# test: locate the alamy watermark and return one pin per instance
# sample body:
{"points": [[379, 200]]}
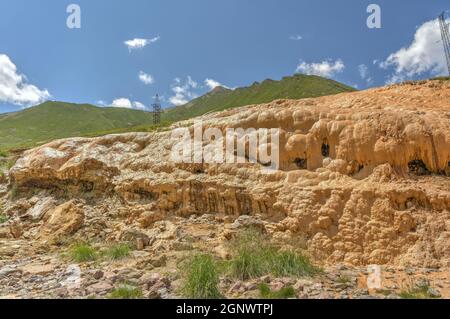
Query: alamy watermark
{"points": [[374, 20], [74, 19], [374, 277], [230, 145]]}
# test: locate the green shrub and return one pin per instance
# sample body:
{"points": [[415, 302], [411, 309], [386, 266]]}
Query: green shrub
{"points": [[255, 256], [284, 293], [83, 252], [201, 278], [126, 292], [118, 251]]}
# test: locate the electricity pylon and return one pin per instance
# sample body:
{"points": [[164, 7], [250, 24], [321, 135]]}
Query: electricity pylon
{"points": [[156, 111], [445, 37]]}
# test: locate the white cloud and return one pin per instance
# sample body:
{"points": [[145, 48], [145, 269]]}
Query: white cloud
{"points": [[365, 74], [183, 91], [326, 68], [139, 43], [297, 37], [122, 102], [425, 55], [146, 78], [212, 84], [14, 87], [127, 104], [363, 70]]}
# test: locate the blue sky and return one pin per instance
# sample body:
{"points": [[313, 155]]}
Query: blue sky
{"points": [[233, 42]]}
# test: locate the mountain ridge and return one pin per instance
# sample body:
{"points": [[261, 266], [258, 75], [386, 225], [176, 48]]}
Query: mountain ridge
{"points": [[294, 87], [53, 120]]}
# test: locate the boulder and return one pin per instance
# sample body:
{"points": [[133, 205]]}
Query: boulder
{"points": [[62, 221]]}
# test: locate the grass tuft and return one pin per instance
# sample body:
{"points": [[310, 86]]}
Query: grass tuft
{"points": [[201, 278], [118, 251], [83, 252], [284, 293], [255, 256], [126, 292], [289, 263]]}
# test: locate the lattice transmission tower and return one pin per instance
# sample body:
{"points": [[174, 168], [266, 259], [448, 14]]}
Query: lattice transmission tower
{"points": [[445, 37], [157, 110]]}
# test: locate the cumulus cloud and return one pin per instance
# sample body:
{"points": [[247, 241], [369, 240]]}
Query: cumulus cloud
{"points": [[14, 87], [139, 43], [425, 55], [327, 68], [297, 37], [127, 104], [123, 103], [145, 78], [183, 91], [212, 84]]}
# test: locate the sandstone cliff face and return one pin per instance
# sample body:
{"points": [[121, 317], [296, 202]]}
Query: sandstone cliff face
{"points": [[363, 179]]}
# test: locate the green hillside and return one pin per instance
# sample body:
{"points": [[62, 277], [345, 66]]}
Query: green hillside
{"points": [[298, 86], [53, 120]]}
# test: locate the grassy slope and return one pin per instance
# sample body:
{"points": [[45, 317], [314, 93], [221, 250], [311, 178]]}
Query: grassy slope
{"points": [[53, 120], [296, 87]]}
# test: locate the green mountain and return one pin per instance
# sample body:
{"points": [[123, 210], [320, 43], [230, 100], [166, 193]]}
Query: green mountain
{"points": [[298, 86], [53, 120]]}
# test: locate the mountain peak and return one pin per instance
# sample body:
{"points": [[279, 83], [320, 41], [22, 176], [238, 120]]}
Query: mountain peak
{"points": [[219, 89]]}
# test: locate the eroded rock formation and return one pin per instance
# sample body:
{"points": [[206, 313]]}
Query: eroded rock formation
{"points": [[363, 179]]}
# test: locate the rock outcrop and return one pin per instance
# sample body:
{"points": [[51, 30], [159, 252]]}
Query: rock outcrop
{"points": [[363, 179]]}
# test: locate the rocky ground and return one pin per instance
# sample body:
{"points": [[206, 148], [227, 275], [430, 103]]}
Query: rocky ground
{"points": [[155, 271], [363, 180]]}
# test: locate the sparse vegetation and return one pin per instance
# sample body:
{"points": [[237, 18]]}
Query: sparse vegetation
{"points": [[118, 251], [201, 278], [256, 256], [83, 252], [284, 293], [3, 218], [419, 290], [125, 291]]}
